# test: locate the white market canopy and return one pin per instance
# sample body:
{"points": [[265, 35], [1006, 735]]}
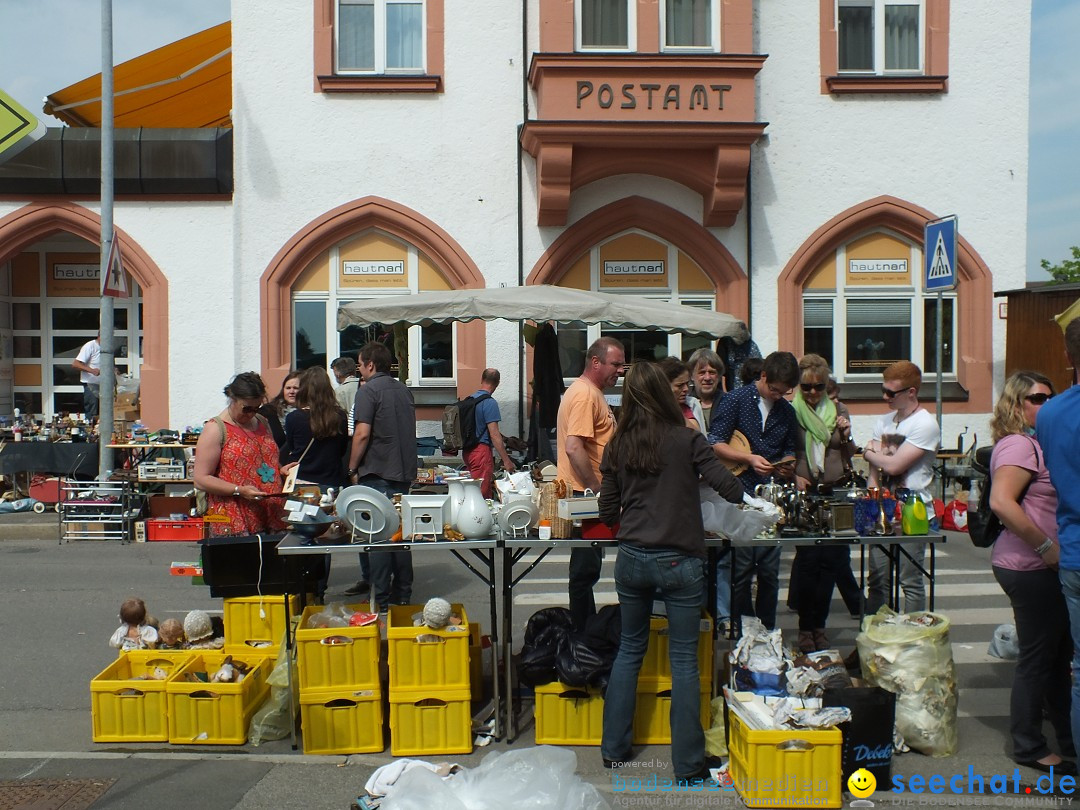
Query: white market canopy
{"points": [[540, 303]]}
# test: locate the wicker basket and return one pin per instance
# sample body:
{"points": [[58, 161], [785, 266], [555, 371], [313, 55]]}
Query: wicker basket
{"points": [[549, 501]]}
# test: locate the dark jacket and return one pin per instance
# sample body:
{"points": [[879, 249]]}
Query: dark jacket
{"points": [[324, 462], [664, 511]]}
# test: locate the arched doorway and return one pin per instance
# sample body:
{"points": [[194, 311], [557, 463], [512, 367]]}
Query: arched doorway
{"points": [[32, 223]]}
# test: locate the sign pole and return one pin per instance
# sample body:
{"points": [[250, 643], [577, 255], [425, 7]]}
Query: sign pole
{"points": [[939, 315], [107, 378], [939, 274]]}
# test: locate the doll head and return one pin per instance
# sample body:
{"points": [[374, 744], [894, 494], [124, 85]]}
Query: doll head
{"points": [[171, 633], [133, 611], [197, 626]]}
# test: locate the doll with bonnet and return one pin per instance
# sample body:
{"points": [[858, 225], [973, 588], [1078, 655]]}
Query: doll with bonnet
{"points": [[134, 632], [200, 632]]}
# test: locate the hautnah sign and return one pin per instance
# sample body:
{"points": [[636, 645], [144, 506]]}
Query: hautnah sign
{"points": [[374, 268], [650, 96]]}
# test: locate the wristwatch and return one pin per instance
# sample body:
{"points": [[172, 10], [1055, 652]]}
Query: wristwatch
{"points": [[236, 491]]}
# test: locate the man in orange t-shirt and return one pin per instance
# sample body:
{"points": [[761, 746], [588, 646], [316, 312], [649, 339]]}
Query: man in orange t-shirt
{"points": [[585, 426]]}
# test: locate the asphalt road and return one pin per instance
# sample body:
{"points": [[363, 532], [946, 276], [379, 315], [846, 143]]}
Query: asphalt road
{"points": [[58, 606]]}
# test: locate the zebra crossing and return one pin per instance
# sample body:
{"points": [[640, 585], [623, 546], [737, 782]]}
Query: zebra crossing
{"points": [[966, 593]]}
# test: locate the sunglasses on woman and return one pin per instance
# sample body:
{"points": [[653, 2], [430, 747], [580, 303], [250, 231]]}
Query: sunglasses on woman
{"points": [[249, 409], [808, 387], [1038, 399]]}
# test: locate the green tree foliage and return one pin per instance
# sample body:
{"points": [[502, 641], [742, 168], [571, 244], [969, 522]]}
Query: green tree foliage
{"points": [[1068, 272]]}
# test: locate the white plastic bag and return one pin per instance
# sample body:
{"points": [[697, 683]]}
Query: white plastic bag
{"points": [[727, 519], [537, 778], [1005, 644], [910, 655]]}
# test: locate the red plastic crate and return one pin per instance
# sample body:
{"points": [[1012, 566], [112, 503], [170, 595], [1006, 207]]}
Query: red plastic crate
{"points": [[188, 529]]}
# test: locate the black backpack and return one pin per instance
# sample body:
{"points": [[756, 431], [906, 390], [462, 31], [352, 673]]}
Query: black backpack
{"points": [[983, 525], [459, 424]]}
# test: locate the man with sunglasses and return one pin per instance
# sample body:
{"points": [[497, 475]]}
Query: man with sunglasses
{"points": [[901, 454], [767, 420], [1058, 432]]}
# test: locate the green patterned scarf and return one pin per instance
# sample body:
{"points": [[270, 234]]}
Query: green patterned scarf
{"points": [[819, 424]]}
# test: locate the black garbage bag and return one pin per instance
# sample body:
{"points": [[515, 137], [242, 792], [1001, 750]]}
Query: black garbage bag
{"points": [[586, 659], [545, 633], [578, 664]]}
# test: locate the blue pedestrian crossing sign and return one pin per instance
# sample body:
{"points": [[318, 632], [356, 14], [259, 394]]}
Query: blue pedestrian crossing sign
{"points": [[939, 254]]}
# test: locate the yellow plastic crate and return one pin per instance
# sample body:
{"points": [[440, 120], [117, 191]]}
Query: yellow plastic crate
{"points": [[125, 705], [476, 663], [430, 723], [656, 663], [652, 711], [215, 713], [342, 721], [568, 715], [785, 768], [440, 664], [248, 631], [339, 657]]}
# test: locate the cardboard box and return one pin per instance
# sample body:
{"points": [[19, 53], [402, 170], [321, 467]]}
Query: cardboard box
{"points": [[164, 506]]}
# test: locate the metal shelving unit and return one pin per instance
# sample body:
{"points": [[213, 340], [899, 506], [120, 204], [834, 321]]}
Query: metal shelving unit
{"points": [[97, 510]]}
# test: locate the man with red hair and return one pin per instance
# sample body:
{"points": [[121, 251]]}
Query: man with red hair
{"points": [[901, 454]]}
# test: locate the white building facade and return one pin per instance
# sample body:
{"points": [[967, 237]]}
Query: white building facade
{"points": [[773, 160]]}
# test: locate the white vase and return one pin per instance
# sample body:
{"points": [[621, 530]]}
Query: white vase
{"points": [[474, 518], [457, 495]]}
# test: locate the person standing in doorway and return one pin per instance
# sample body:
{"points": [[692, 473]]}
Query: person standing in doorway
{"points": [[585, 426], [383, 457], [88, 362], [344, 369], [478, 459], [901, 454]]}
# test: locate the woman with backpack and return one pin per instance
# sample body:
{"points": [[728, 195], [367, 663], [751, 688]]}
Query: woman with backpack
{"points": [[1025, 560]]}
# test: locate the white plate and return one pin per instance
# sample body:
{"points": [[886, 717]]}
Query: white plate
{"points": [[369, 512], [518, 515]]}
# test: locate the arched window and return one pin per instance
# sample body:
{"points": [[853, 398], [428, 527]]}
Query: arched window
{"points": [[864, 308], [640, 264], [367, 265]]}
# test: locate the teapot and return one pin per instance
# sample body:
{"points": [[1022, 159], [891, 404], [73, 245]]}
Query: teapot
{"points": [[770, 492]]}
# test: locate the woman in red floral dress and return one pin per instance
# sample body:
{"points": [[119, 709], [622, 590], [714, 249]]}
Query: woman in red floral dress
{"points": [[236, 470]]}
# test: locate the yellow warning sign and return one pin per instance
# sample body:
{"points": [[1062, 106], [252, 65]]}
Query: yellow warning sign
{"points": [[18, 127]]}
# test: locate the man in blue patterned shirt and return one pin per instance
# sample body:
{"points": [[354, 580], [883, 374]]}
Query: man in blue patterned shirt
{"points": [[767, 420]]}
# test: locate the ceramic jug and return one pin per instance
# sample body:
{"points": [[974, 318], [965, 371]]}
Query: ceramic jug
{"points": [[474, 518], [457, 495]]}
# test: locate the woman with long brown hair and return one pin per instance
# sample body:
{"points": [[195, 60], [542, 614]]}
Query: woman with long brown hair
{"points": [[1025, 562], [316, 433], [649, 487]]}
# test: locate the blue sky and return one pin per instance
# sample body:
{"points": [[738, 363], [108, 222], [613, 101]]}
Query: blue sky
{"points": [[70, 29]]}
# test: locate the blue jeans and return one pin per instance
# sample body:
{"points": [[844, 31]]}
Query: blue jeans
{"points": [[764, 561], [723, 585], [680, 579], [1070, 586], [912, 583], [91, 398], [391, 571]]}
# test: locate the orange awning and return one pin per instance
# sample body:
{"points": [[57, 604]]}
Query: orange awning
{"points": [[187, 83]]}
